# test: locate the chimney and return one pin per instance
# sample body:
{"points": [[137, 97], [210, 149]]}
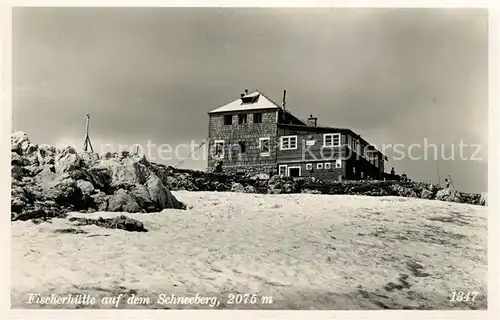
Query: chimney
{"points": [[312, 121], [246, 91], [242, 95], [284, 99]]}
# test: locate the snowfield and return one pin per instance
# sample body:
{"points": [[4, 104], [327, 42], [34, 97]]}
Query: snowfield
{"points": [[304, 251]]}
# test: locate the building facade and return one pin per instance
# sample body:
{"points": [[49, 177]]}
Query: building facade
{"points": [[254, 135]]}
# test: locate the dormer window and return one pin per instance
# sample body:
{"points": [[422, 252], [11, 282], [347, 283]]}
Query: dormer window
{"points": [[250, 98]]}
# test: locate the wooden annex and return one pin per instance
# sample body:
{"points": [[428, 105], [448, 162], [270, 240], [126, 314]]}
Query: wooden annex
{"points": [[253, 134]]}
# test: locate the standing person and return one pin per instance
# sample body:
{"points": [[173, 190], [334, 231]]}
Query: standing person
{"points": [[393, 172]]}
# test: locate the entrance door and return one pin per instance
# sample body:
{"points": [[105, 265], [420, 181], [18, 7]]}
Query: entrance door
{"points": [[294, 171]]}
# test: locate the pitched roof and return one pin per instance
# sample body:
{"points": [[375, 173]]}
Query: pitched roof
{"points": [[252, 101]]}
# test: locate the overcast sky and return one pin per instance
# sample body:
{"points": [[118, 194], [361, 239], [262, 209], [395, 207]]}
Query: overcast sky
{"points": [[396, 76]]}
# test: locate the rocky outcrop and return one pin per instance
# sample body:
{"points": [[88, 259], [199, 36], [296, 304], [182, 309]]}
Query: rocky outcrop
{"points": [[182, 179], [47, 182], [121, 222]]}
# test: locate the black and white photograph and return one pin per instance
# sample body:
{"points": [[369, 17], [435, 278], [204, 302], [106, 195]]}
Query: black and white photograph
{"points": [[230, 158]]}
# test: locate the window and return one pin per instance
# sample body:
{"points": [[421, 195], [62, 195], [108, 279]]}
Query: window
{"points": [[309, 166], [358, 148], [242, 145], [219, 148], [288, 143], [354, 170], [319, 166], [257, 118], [328, 165], [264, 147], [338, 163], [349, 141], [282, 170], [331, 140], [228, 119], [242, 118]]}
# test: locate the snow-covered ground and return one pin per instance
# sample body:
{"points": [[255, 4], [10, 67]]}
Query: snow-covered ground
{"points": [[304, 251]]}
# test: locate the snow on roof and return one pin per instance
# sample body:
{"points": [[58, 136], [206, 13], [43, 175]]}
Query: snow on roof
{"points": [[251, 101]]}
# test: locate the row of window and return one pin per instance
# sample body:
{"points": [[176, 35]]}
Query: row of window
{"points": [[290, 143], [242, 118], [295, 170], [264, 147], [329, 140], [326, 165]]}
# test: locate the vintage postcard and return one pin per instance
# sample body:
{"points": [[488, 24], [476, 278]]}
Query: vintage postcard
{"points": [[250, 158]]}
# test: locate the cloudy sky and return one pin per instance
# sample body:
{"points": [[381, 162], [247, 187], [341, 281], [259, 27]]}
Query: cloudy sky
{"points": [[395, 76]]}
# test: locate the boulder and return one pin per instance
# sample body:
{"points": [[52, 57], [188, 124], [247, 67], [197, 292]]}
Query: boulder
{"points": [[125, 173], [237, 187], [17, 160], [250, 189], [161, 197], [483, 200], [141, 195], [403, 191], [100, 200], [448, 194], [260, 176], [123, 201], [18, 172], [46, 154], [19, 141], [86, 187], [66, 160], [426, 194], [120, 222]]}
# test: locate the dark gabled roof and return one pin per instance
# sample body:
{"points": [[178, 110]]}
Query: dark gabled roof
{"points": [[325, 129]]}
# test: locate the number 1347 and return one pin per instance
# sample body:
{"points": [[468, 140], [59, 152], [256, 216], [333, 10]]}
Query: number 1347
{"points": [[463, 296]]}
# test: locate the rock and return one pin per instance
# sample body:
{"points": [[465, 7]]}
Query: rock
{"points": [[483, 200], [161, 196], [66, 160], [448, 194], [88, 158], [70, 230], [46, 154], [17, 160], [260, 176], [121, 222], [250, 189], [404, 191], [19, 199], [311, 191], [426, 194], [237, 187], [18, 172], [64, 191], [86, 187], [18, 141], [141, 195], [123, 201], [125, 173]]}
